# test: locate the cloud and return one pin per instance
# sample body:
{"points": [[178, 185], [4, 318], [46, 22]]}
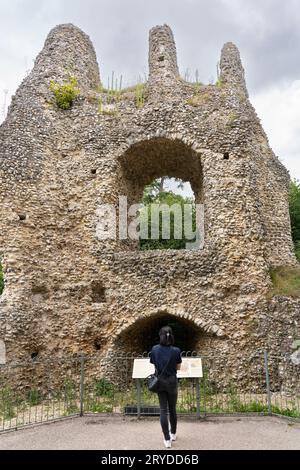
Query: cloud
{"points": [[279, 111], [267, 33]]}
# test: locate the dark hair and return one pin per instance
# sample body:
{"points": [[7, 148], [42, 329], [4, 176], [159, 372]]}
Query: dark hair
{"points": [[166, 337]]}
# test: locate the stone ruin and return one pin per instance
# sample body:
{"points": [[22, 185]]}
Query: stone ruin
{"points": [[67, 291]]}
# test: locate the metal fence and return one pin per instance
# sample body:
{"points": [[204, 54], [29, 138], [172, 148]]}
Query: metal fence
{"points": [[43, 391]]}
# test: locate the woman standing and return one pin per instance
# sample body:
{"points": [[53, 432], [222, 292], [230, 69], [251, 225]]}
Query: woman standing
{"points": [[167, 361]]}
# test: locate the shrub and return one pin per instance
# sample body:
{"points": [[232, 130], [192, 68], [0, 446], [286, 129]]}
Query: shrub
{"points": [[34, 397], [7, 403], [66, 93], [104, 388], [297, 250], [294, 205]]}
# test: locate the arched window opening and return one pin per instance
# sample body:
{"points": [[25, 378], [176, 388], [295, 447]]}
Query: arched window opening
{"points": [[156, 169], [168, 204]]}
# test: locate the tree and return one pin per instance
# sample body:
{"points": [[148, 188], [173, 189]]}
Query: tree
{"points": [[156, 193], [294, 203]]}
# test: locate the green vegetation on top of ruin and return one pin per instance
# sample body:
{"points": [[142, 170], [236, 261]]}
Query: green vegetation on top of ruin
{"points": [[114, 93], [286, 281], [65, 93], [199, 99], [140, 95]]}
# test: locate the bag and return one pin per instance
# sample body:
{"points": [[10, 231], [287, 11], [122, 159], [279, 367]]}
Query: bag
{"points": [[153, 379], [153, 383]]}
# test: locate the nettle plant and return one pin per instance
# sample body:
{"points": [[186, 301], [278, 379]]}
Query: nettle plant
{"points": [[65, 93]]}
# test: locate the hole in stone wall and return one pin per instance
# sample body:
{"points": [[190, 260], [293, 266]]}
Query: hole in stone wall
{"points": [[144, 334], [226, 156], [34, 355], [39, 289], [171, 235], [98, 293], [97, 345], [157, 158], [94, 172], [22, 217]]}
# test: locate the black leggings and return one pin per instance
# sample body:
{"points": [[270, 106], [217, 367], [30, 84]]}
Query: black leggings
{"points": [[168, 399]]}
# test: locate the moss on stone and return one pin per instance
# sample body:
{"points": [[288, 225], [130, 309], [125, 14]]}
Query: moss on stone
{"points": [[286, 281], [199, 99]]}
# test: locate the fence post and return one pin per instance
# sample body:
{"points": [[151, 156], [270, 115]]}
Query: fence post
{"points": [[82, 386], [139, 398], [198, 397], [268, 384]]}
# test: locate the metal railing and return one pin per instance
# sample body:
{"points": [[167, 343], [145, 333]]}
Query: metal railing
{"points": [[42, 391]]}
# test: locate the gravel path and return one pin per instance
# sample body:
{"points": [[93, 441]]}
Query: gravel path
{"points": [[129, 434]]}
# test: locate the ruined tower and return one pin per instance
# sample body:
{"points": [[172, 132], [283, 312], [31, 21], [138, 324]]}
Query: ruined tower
{"points": [[68, 291]]}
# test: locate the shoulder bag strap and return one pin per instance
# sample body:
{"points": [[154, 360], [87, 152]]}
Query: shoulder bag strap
{"points": [[167, 363]]}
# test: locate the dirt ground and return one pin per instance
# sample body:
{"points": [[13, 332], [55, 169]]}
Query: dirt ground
{"points": [[101, 433]]}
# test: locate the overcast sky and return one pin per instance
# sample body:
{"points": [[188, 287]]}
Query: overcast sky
{"points": [[267, 33]]}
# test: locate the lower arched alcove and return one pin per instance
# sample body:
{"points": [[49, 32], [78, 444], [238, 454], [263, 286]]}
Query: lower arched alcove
{"points": [[141, 336], [137, 339]]}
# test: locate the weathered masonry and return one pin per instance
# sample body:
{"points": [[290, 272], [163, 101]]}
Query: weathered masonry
{"points": [[66, 291]]}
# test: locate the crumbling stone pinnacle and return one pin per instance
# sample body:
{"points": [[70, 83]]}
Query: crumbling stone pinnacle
{"points": [[231, 69], [162, 55]]}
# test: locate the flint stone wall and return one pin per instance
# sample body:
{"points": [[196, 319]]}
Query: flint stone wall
{"points": [[66, 290]]}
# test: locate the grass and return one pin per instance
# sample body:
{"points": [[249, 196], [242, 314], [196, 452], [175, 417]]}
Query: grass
{"points": [[114, 94], [286, 281], [105, 398], [7, 403], [198, 99], [252, 407], [99, 407], [140, 95], [233, 404], [231, 119], [219, 83], [34, 397]]}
